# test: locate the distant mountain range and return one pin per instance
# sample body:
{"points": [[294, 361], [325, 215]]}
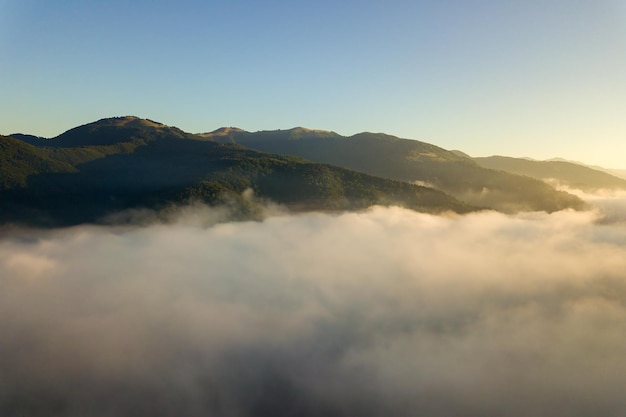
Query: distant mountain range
{"points": [[617, 172], [556, 171], [93, 171], [621, 173], [409, 161]]}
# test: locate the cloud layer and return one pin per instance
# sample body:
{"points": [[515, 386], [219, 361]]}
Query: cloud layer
{"points": [[384, 312]]}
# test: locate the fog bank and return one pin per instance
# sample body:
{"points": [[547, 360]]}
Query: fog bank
{"points": [[384, 312]]}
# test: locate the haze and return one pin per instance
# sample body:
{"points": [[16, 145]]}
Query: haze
{"points": [[381, 312]]}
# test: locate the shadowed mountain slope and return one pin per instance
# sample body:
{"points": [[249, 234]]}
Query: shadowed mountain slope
{"points": [[20, 160], [112, 165], [30, 139], [411, 161]]}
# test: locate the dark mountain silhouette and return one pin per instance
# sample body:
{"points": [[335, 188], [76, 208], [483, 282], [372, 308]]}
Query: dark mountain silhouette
{"points": [[565, 173], [117, 164], [30, 139], [410, 161]]}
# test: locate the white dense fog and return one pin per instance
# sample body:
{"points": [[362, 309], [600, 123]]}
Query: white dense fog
{"points": [[386, 312]]}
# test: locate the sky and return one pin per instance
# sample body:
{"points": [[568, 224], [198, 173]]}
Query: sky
{"points": [[537, 78]]}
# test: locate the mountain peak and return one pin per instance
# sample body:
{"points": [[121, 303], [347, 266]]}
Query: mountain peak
{"points": [[224, 131], [114, 130], [128, 121], [301, 129]]}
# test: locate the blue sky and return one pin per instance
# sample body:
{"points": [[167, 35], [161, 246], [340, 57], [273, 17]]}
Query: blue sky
{"points": [[538, 78]]}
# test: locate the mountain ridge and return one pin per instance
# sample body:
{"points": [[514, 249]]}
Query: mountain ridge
{"points": [[566, 173], [415, 162], [117, 164]]}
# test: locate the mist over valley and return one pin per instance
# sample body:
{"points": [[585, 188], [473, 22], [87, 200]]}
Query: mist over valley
{"points": [[312, 209], [377, 297]]}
